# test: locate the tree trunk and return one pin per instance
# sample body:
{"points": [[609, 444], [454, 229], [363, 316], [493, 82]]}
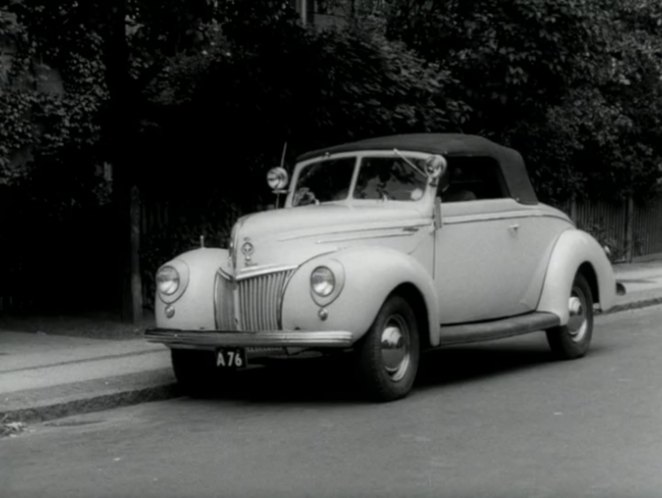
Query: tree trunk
{"points": [[122, 129], [136, 290]]}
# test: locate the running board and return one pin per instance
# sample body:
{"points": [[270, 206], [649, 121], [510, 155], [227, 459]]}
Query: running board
{"points": [[497, 329]]}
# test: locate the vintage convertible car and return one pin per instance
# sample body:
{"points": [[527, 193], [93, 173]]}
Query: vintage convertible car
{"points": [[384, 248]]}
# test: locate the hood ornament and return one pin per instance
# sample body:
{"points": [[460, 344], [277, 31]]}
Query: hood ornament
{"points": [[247, 249]]}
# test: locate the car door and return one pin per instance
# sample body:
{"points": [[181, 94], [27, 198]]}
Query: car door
{"points": [[490, 251], [476, 262]]}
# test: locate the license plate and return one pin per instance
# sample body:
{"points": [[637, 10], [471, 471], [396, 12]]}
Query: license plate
{"points": [[232, 358]]}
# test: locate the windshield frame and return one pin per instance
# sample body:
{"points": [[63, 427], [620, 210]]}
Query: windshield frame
{"points": [[359, 156]]}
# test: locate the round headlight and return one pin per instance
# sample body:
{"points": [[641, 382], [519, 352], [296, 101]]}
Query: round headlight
{"points": [[167, 280], [322, 281]]}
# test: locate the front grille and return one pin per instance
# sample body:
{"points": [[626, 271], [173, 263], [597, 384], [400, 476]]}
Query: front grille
{"points": [[224, 303], [259, 300]]}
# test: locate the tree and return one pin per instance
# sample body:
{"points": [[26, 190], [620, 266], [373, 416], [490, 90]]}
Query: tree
{"points": [[304, 87], [552, 79], [50, 164], [106, 54]]}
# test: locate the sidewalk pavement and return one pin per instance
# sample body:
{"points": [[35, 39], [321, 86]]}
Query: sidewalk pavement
{"points": [[44, 376]]}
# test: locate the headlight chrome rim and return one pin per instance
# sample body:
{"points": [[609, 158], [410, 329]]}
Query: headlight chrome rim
{"points": [[172, 280], [168, 280], [322, 281], [325, 293]]}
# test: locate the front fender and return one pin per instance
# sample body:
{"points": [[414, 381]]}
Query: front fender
{"points": [[573, 249], [194, 310], [370, 275]]}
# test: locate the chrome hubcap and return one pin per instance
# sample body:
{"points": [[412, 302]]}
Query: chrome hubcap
{"points": [[578, 322], [394, 343]]}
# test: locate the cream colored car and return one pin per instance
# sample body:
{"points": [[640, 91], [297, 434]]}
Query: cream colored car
{"points": [[385, 248]]}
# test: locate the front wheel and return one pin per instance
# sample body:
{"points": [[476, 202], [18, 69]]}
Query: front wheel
{"points": [[388, 356], [573, 339]]}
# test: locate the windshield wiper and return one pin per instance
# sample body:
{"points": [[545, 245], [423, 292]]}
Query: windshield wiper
{"points": [[405, 159]]}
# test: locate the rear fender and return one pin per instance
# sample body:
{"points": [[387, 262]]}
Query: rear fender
{"points": [[573, 250]]}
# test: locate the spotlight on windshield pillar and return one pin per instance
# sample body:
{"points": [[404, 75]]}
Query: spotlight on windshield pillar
{"points": [[277, 179]]}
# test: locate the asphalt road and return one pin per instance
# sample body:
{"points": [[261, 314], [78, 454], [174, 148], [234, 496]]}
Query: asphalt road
{"points": [[492, 420]]}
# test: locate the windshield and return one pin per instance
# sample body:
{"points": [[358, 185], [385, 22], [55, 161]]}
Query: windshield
{"points": [[379, 178], [391, 178], [324, 181]]}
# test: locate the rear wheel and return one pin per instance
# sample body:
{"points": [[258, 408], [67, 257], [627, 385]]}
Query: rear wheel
{"points": [[573, 339], [388, 356]]}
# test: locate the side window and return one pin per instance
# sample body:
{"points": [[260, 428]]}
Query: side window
{"points": [[472, 178]]}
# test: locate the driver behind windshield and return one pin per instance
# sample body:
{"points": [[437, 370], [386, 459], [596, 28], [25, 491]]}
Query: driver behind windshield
{"points": [[324, 181], [388, 178]]}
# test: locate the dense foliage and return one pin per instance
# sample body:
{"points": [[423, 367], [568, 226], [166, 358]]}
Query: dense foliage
{"points": [[261, 85], [192, 100], [573, 84]]}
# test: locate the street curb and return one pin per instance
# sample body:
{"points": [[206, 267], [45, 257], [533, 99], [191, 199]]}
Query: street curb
{"points": [[644, 303], [91, 404]]}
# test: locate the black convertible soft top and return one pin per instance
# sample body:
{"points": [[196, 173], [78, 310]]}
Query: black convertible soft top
{"points": [[449, 144]]}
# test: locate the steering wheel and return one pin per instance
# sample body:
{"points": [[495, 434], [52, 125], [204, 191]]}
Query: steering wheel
{"points": [[384, 194], [304, 196]]}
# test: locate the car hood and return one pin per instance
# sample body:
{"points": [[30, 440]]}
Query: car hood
{"points": [[290, 236]]}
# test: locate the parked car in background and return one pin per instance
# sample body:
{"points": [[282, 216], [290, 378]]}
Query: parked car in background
{"points": [[385, 248]]}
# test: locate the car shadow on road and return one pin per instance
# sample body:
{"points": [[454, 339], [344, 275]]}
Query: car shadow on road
{"points": [[460, 364], [331, 380], [319, 380]]}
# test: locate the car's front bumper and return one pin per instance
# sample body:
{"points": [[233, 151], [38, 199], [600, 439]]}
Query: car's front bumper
{"points": [[212, 339]]}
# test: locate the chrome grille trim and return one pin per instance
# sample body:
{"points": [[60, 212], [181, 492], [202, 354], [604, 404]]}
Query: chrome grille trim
{"points": [[251, 272], [252, 302], [260, 299], [224, 315]]}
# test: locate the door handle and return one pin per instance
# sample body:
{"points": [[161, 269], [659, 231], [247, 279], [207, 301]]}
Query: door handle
{"points": [[514, 227]]}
